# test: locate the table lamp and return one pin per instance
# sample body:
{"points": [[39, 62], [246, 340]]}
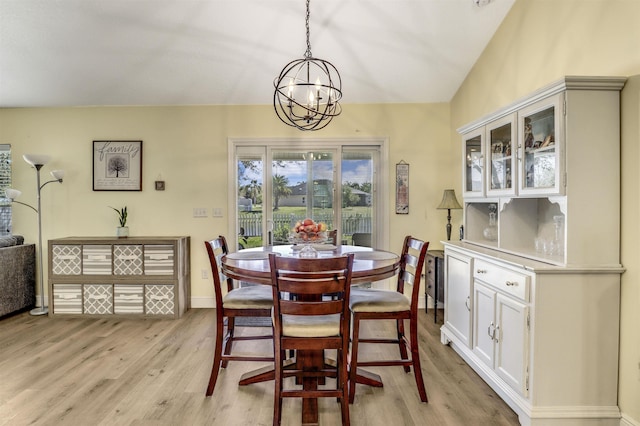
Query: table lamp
{"points": [[449, 202]]}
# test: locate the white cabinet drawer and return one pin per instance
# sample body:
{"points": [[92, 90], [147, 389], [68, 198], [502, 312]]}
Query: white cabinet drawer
{"points": [[505, 280]]}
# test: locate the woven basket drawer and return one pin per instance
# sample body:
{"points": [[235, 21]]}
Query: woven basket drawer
{"points": [[96, 259], [128, 298], [66, 259], [159, 260], [127, 259], [98, 299], [159, 299], [67, 299]]}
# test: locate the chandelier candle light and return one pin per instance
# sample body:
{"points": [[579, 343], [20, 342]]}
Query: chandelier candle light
{"points": [[308, 91], [37, 161]]}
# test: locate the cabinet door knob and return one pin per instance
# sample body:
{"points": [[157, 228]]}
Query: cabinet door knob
{"points": [[511, 283]]}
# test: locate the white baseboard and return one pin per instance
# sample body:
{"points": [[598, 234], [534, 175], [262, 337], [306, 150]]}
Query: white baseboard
{"points": [[203, 302], [628, 421]]}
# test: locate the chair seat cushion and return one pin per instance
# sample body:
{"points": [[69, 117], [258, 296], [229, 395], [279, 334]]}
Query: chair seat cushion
{"points": [[253, 297], [311, 326], [371, 300]]}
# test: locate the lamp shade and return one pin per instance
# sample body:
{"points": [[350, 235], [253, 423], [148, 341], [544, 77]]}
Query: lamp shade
{"points": [[36, 159], [57, 174], [449, 200], [12, 194]]}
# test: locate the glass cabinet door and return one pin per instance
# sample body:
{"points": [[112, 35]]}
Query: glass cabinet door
{"points": [[473, 169], [540, 139], [501, 151]]}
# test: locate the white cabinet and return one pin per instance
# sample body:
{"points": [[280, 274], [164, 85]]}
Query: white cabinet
{"points": [[540, 166], [457, 295], [532, 297], [501, 322], [544, 337]]}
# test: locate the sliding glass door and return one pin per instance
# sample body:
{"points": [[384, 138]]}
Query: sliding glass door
{"points": [[278, 184]]}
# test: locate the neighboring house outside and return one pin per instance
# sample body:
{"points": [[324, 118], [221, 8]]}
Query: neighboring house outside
{"points": [[322, 195]]}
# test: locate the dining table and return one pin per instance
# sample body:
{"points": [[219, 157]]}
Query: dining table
{"points": [[252, 265]]}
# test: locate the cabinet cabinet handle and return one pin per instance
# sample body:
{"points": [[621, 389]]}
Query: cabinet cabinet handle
{"points": [[466, 303], [496, 334], [511, 283], [481, 271], [491, 331]]}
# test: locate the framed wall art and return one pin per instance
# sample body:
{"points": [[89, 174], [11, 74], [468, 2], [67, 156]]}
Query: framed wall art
{"points": [[117, 165], [402, 188]]}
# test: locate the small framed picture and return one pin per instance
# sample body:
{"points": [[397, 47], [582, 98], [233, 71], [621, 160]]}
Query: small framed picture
{"points": [[402, 188], [117, 165]]}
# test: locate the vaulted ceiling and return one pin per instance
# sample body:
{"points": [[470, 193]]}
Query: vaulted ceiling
{"points": [[228, 52]]}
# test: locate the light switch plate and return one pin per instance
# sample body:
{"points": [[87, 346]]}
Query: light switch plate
{"points": [[199, 212]]}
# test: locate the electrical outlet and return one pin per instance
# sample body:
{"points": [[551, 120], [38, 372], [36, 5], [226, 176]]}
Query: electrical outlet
{"points": [[199, 212], [204, 274]]}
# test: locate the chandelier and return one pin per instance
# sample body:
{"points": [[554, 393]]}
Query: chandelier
{"points": [[308, 91]]}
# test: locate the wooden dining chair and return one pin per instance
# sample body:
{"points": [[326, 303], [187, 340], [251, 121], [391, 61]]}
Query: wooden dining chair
{"points": [[373, 304], [333, 236], [309, 324], [253, 301]]}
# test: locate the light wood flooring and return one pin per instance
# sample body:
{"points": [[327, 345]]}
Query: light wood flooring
{"points": [[96, 371]]}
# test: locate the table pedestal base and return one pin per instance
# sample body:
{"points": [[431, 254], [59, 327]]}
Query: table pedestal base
{"points": [[309, 405]]}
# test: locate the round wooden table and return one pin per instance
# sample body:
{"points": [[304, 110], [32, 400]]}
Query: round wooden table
{"points": [[252, 265]]}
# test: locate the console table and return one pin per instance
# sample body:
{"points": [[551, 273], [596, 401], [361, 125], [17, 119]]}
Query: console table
{"points": [[434, 284], [135, 276]]}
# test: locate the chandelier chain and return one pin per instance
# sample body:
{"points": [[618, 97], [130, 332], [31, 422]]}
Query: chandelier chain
{"points": [[307, 54]]}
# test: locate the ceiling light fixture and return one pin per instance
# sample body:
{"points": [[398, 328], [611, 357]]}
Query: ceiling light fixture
{"points": [[308, 91]]}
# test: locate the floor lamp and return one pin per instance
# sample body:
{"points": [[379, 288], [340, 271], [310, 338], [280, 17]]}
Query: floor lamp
{"points": [[449, 202], [37, 161]]}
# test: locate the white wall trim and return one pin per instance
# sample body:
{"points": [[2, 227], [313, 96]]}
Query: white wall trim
{"points": [[625, 420], [198, 302]]}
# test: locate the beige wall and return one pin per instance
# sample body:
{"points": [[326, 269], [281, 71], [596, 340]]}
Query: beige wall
{"points": [[187, 147], [539, 42]]}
